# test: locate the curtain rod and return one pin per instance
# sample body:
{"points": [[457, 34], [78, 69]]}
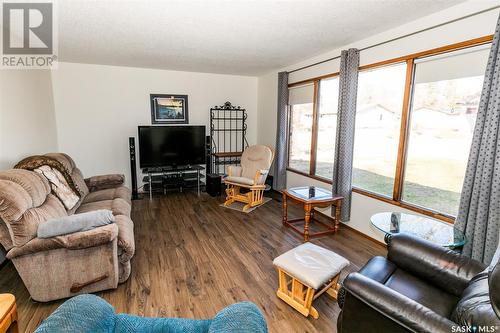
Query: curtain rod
{"points": [[398, 38]]}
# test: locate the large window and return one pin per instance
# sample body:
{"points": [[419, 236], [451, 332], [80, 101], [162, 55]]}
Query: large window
{"points": [[446, 93], [414, 124], [301, 120], [378, 122], [327, 126]]}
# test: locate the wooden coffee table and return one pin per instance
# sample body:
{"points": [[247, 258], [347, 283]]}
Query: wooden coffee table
{"points": [[8, 313], [311, 197]]}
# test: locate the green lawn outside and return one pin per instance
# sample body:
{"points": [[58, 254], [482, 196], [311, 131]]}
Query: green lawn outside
{"points": [[442, 201]]}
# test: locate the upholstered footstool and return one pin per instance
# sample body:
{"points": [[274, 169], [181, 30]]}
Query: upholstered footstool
{"points": [[305, 273]]}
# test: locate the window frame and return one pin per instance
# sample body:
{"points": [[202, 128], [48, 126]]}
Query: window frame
{"points": [[404, 130]]}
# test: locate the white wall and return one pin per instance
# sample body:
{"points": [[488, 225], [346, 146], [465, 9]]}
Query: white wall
{"points": [[477, 26], [27, 120], [99, 107], [267, 117]]}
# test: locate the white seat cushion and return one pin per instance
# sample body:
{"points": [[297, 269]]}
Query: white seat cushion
{"points": [[311, 264], [239, 180]]}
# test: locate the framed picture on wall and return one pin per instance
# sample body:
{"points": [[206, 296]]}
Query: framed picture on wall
{"points": [[169, 109]]}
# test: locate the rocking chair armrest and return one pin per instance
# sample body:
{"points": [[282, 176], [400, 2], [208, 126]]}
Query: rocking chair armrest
{"points": [[234, 170], [260, 176], [258, 187]]}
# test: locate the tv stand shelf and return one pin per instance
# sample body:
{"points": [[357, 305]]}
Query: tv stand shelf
{"points": [[161, 179]]}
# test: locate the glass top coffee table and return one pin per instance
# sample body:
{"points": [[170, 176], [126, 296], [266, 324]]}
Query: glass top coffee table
{"points": [[311, 197], [438, 232]]}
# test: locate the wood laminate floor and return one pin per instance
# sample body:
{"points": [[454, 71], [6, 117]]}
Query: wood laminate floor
{"points": [[193, 258]]}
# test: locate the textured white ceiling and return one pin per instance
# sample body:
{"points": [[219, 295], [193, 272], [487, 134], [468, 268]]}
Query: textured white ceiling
{"points": [[248, 37]]}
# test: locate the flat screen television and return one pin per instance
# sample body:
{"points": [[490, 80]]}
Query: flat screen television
{"points": [[162, 146]]}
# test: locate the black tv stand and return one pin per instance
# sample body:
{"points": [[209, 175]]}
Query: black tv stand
{"points": [[163, 178]]}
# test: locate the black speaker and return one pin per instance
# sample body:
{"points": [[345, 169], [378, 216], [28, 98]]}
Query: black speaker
{"points": [[214, 184], [208, 155], [133, 170]]}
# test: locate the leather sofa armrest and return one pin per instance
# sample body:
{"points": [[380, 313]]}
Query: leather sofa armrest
{"points": [[77, 240], [402, 310], [102, 182], [435, 264]]}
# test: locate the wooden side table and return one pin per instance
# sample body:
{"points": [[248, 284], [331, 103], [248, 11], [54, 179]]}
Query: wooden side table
{"points": [[8, 313], [311, 197]]}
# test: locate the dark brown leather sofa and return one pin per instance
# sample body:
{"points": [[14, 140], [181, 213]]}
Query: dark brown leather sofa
{"points": [[421, 287]]}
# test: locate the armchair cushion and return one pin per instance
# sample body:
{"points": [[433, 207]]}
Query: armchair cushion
{"points": [[117, 206], [437, 265], [400, 308], [256, 158], [239, 180], [381, 270], [21, 190], [25, 202], [121, 192], [77, 240], [75, 223], [104, 182], [234, 170], [475, 306]]}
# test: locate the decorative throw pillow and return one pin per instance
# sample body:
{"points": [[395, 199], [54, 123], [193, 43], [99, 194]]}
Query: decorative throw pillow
{"points": [[59, 186]]}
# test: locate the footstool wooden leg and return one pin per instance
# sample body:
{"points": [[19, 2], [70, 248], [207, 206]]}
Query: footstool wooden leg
{"points": [[297, 298], [333, 290], [308, 303], [14, 328]]}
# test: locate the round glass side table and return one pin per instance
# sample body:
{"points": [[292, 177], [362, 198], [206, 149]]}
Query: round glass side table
{"points": [[435, 231]]}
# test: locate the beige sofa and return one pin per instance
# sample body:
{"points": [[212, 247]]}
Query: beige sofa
{"points": [[68, 265]]}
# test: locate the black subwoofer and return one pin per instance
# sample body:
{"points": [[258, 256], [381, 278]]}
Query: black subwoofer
{"points": [[214, 184]]}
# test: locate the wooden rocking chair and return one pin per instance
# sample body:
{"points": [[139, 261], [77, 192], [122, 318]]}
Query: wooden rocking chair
{"points": [[251, 174]]}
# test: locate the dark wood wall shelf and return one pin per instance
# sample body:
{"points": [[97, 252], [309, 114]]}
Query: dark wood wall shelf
{"points": [[227, 136]]}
